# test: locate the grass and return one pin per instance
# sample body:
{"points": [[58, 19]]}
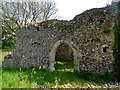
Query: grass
{"points": [[35, 78], [40, 78], [64, 66], [63, 77]]}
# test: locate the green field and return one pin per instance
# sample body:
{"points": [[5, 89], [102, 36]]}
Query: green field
{"points": [[63, 77]]}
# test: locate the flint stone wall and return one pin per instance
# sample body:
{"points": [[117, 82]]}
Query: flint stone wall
{"points": [[91, 33]]}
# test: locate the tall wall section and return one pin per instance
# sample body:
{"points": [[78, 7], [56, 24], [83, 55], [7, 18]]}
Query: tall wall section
{"points": [[92, 34]]}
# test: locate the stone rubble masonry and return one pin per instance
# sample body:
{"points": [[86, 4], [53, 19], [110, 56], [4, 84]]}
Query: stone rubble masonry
{"points": [[87, 39]]}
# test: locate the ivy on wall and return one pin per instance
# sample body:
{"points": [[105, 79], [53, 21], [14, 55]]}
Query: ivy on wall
{"points": [[117, 44]]}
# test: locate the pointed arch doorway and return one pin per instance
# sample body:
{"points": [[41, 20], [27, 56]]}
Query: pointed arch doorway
{"points": [[53, 53]]}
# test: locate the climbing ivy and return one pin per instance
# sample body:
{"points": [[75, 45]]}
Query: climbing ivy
{"points": [[117, 44]]}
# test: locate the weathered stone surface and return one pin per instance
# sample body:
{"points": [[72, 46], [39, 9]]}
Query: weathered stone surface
{"points": [[8, 62], [90, 47]]}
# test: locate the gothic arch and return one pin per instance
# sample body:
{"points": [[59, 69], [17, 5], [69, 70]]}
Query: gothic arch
{"points": [[53, 52]]}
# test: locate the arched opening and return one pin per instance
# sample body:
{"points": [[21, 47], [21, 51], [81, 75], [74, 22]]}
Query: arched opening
{"points": [[53, 50], [63, 53], [64, 58]]}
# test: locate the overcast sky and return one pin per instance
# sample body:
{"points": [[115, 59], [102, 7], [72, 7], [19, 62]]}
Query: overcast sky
{"points": [[70, 8]]}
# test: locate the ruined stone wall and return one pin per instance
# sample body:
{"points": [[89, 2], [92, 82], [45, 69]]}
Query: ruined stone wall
{"points": [[95, 37], [91, 33], [35, 42]]}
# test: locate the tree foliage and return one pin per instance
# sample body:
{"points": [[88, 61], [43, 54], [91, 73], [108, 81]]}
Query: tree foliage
{"points": [[117, 44], [16, 15]]}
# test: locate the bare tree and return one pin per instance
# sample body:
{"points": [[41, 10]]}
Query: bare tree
{"points": [[23, 13], [15, 15]]}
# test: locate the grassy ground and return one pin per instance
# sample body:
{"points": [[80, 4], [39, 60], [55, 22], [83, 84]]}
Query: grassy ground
{"points": [[40, 78], [63, 77], [35, 78]]}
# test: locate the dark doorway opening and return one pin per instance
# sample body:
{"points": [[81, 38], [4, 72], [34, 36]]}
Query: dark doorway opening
{"points": [[64, 58]]}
